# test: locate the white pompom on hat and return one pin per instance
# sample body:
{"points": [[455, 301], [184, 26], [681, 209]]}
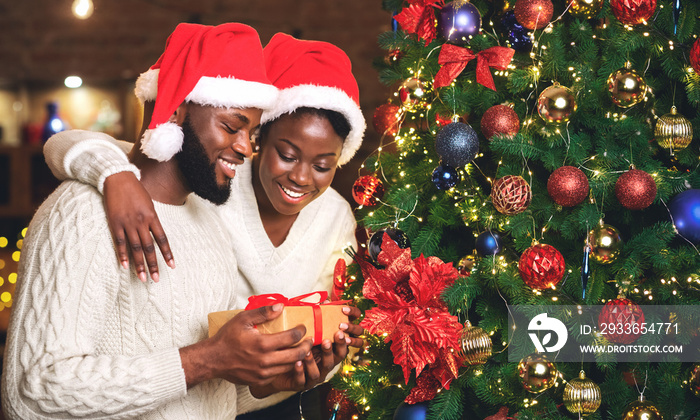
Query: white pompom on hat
{"points": [[314, 74], [220, 66]]}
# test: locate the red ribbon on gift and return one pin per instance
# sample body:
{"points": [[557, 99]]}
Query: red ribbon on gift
{"points": [[258, 301], [454, 59]]}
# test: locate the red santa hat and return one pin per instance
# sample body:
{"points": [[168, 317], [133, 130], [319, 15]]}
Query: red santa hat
{"points": [[220, 66], [314, 74]]}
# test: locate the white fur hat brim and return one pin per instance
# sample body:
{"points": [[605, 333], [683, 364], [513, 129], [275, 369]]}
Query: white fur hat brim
{"points": [[214, 91], [323, 97]]}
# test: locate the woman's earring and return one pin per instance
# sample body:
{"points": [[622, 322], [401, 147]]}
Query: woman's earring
{"points": [[256, 148]]}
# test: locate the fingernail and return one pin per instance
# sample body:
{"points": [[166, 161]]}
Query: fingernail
{"points": [[143, 277], [346, 310], [155, 277], [326, 344], [299, 363], [125, 264], [341, 335], [277, 307], [347, 340], [171, 263]]}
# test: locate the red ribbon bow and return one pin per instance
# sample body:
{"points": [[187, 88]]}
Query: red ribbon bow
{"points": [[258, 301], [454, 59]]}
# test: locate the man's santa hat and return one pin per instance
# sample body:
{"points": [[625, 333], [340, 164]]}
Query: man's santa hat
{"points": [[220, 66], [314, 74]]}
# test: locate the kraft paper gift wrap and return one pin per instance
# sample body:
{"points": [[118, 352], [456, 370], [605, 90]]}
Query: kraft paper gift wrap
{"points": [[321, 320]]}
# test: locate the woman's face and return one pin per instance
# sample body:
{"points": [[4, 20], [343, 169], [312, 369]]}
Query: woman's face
{"points": [[298, 159]]}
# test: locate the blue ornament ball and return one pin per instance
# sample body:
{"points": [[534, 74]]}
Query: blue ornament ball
{"points": [[457, 144], [488, 243], [445, 177], [685, 210], [418, 411], [459, 23], [518, 36]]}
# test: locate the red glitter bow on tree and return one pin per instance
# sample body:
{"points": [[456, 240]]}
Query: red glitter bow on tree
{"points": [[454, 59], [412, 316], [419, 19]]}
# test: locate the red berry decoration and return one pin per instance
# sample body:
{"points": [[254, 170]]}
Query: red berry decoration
{"points": [[499, 120], [367, 190], [541, 266], [620, 321], [695, 56], [511, 195], [385, 119], [568, 186], [533, 14], [633, 12], [635, 189]]}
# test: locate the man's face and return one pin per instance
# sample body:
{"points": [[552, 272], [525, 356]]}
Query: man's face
{"points": [[216, 140]]}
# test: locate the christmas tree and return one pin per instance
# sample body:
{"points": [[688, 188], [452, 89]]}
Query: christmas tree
{"points": [[535, 152]]}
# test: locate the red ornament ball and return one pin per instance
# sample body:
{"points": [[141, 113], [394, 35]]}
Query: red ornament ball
{"points": [[533, 14], [511, 194], [620, 320], [695, 56], [635, 189], [541, 266], [568, 186], [633, 12], [501, 120], [385, 119], [367, 190]]}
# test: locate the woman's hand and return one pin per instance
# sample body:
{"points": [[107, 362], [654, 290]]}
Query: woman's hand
{"points": [[132, 220], [353, 330]]}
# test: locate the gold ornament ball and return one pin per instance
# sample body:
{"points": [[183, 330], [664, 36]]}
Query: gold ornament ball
{"points": [[673, 131], [627, 87], [694, 381], [412, 94], [556, 104], [475, 345], [537, 373], [465, 265], [585, 9], [605, 243], [582, 395], [641, 410]]}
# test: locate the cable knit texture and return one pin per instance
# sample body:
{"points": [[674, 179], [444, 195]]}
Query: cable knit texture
{"points": [[303, 263], [87, 339]]}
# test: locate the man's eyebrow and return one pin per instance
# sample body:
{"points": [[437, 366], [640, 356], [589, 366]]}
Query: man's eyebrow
{"points": [[241, 117]]}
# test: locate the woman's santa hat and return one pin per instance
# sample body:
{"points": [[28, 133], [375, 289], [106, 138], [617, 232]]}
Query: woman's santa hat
{"points": [[220, 66], [314, 74]]}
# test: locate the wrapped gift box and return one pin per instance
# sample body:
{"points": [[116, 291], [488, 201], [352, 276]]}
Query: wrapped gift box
{"points": [[327, 316]]}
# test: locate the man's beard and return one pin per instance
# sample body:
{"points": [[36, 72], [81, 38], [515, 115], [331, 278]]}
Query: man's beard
{"points": [[198, 170]]}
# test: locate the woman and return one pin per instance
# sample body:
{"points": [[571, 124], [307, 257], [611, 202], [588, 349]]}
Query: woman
{"points": [[289, 226]]}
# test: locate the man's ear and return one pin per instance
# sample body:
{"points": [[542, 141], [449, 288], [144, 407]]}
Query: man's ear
{"points": [[179, 115]]}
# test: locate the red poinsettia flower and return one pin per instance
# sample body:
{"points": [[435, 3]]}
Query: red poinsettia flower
{"points": [[410, 313], [419, 18]]}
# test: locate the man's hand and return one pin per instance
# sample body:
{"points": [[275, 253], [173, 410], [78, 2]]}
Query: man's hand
{"points": [[242, 355]]}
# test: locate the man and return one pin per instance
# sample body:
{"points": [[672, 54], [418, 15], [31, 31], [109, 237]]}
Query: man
{"points": [[87, 339]]}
